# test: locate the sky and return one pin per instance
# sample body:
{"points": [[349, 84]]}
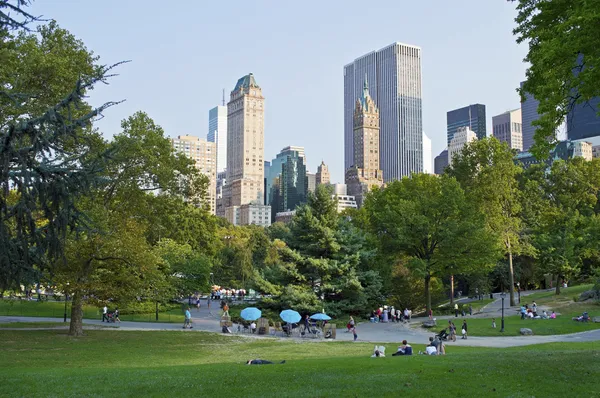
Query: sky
{"points": [[183, 54]]}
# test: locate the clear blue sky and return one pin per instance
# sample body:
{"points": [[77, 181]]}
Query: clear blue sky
{"points": [[185, 54]]}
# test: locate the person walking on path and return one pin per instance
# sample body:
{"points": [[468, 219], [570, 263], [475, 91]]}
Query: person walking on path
{"points": [[455, 310], [470, 310], [116, 315], [188, 319], [430, 314], [226, 310], [464, 330], [105, 313], [198, 304], [354, 333], [453, 332]]}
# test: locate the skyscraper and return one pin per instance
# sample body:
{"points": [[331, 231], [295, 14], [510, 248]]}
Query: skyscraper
{"points": [[507, 127], [395, 76], [529, 114], [583, 121], [217, 133], [204, 154], [322, 176], [245, 140], [275, 166], [462, 137], [472, 116], [427, 155], [440, 162], [364, 173]]}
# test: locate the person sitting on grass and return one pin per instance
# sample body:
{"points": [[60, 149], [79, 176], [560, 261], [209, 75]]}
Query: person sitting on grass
{"points": [[261, 362], [553, 315], [544, 315], [404, 349]]}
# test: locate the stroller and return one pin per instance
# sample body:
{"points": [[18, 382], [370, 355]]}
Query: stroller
{"points": [[111, 317], [443, 335]]}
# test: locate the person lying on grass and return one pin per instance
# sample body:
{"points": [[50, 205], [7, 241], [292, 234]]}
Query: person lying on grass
{"points": [[378, 352], [404, 349], [261, 362]]}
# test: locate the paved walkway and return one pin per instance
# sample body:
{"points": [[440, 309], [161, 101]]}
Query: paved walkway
{"points": [[208, 321]]}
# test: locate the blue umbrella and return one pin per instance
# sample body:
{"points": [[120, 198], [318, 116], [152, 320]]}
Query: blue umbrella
{"points": [[250, 313], [290, 316], [321, 317]]}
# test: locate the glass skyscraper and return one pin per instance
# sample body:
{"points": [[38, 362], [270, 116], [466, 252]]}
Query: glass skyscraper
{"points": [[529, 114], [472, 116], [217, 133], [583, 120], [394, 76]]}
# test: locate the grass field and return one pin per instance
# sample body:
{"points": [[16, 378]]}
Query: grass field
{"points": [[56, 309], [41, 325], [156, 364]]}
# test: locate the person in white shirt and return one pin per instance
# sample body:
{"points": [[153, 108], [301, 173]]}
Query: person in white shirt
{"points": [[430, 350], [253, 327], [105, 314]]}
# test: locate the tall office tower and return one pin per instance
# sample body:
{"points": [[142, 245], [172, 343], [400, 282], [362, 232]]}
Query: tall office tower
{"points": [[364, 174], [583, 121], [440, 162], [507, 127], [529, 114], [462, 137], [311, 182], [472, 116], [221, 182], [395, 76], [204, 153], [291, 184], [427, 155], [245, 140], [217, 133], [275, 166], [322, 176]]}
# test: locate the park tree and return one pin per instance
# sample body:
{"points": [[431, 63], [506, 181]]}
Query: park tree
{"points": [[564, 58], [45, 140], [428, 221], [489, 176], [566, 216]]}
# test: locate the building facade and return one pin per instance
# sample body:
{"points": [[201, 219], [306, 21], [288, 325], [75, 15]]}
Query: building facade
{"points": [[288, 189], [217, 133], [221, 182], [529, 114], [462, 137], [364, 174], [472, 116], [395, 75], [322, 177], [427, 155], [204, 154], [507, 127], [440, 162], [583, 121], [275, 165], [245, 143], [564, 150], [311, 182], [596, 151]]}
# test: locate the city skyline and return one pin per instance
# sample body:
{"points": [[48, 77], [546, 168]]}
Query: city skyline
{"points": [[188, 68]]}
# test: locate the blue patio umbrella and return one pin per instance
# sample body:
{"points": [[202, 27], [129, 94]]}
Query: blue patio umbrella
{"points": [[250, 313], [290, 316], [321, 317]]}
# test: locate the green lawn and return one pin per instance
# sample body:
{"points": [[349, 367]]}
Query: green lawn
{"points": [[54, 309], [157, 364], [549, 297], [41, 325]]}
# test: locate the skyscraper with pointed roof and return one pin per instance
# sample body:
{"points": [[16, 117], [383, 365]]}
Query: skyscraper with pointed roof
{"points": [[322, 177], [364, 173], [245, 142]]}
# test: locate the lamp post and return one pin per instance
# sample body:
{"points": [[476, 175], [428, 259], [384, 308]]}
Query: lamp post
{"points": [[519, 291], [503, 295], [66, 289]]}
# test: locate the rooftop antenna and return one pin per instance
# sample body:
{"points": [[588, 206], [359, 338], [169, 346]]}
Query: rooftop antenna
{"points": [[223, 97]]}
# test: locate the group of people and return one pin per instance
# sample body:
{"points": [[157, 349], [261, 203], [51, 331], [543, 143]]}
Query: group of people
{"points": [[462, 311], [222, 293], [532, 313], [390, 314], [435, 347], [109, 316]]}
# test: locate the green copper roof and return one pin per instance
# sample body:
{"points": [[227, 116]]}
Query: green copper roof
{"points": [[246, 82]]}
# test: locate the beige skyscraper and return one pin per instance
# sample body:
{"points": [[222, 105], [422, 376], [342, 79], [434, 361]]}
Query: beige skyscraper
{"points": [[204, 153], [322, 176], [365, 173], [245, 140], [507, 127]]}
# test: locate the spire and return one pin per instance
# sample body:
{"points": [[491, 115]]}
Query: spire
{"points": [[365, 88]]}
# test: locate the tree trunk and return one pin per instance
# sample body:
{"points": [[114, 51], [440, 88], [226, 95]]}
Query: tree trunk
{"points": [[558, 283], [511, 273], [427, 294], [76, 326], [451, 289]]}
